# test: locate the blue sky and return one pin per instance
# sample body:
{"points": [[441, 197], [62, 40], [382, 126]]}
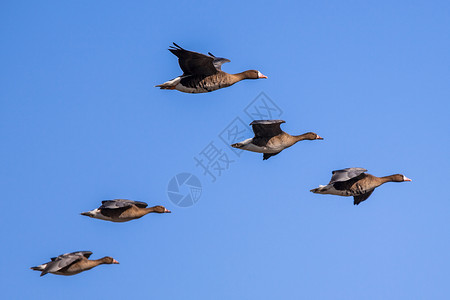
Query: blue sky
{"points": [[81, 122]]}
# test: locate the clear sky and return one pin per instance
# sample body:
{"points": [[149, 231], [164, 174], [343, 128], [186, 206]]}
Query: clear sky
{"points": [[81, 122]]}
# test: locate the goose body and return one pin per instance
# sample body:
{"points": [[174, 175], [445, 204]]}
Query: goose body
{"points": [[72, 263], [355, 182], [123, 210], [198, 84], [250, 146], [270, 140], [202, 73]]}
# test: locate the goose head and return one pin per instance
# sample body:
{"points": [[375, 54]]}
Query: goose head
{"points": [[310, 136], [253, 74], [160, 209], [399, 178], [108, 260]]}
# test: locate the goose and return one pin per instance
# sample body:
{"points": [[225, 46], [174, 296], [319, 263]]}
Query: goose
{"points": [[72, 263], [270, 139], [355, 182], [123, 210], [202, 73]]}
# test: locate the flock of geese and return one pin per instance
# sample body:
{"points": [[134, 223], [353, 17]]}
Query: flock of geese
{"points": [[202, 73]]}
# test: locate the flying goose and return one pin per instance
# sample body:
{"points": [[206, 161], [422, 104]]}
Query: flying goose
{"points": [[72, 263], [270, 139], [122, 210], [202, 73], [355, 182]]}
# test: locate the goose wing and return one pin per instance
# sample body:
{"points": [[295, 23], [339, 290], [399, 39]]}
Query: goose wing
{"points": [[266, 128], [346, 174], [120, 203], [194, 63], [358, 199], [269, 155]]}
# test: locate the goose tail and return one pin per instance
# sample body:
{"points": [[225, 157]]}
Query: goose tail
{"points": [[169, 85], [321, 189], [165, 86], [40, 268]]}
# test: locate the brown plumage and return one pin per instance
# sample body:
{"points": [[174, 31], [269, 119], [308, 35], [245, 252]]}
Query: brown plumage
{"points": [[355, 182], [123, 210], [72, 263], [270, 140], [202, 73]]}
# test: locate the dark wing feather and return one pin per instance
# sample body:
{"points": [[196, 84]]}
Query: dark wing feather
{"points": [[348, 184], [120, 203], [268, 155], [267, 122], [86, 254], [358, 199], [346, 174], [267, 128], [114, 212], [194, 63]]}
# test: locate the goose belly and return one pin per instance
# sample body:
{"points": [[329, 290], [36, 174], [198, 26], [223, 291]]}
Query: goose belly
{"points": [[329, 189], [116, 220], [67, 273], [191, 90], [260, 149], [201, 84], [196, 90], [97, 214]]}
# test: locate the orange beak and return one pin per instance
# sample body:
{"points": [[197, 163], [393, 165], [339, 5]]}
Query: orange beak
{"points": [[319, 137], [407, 179], [115, 261], [260, 75]]}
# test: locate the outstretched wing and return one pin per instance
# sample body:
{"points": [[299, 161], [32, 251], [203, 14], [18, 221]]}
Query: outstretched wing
{"points": [[267, 128], [358, 199], [120, 203], [346, 174], [194, 63], [64, 260]]}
